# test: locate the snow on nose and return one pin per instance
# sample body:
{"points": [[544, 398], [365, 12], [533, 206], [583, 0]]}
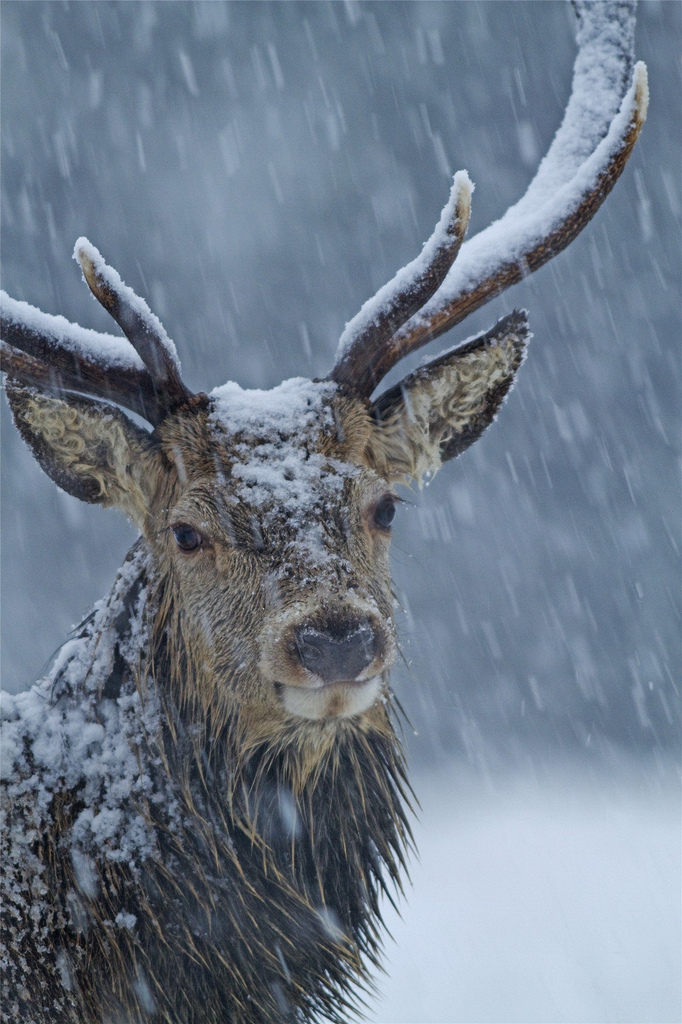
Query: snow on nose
{"points": [[337, 651]]}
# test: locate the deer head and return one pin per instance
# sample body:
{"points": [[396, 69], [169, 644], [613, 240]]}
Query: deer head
{"points": [[268, 514]]}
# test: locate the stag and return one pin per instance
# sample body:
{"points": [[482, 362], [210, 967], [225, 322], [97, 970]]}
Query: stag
{"points": [[205, 798]]}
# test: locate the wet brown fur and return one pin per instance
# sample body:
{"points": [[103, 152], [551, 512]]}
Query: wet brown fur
{"points": [[274, 831], [262, 905]]}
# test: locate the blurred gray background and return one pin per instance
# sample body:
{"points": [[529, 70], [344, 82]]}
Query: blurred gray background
{"points": [[256, 171]]}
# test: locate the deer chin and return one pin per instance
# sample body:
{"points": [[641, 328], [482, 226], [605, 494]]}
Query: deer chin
{"points": [[341, 699]]}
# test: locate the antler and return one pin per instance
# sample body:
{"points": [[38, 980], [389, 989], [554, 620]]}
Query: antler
{"points": [[371, 331], [584, 162], [56, 356]]}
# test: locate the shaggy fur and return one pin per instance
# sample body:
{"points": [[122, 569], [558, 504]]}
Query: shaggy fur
{"points": [[181, 846], [260, 902]]}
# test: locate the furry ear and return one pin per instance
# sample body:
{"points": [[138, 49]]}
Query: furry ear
{"points": [[435, 413], [90, 449]]}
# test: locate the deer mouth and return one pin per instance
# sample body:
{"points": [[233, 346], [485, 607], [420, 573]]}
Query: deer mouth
{"points": [[341, 698]]}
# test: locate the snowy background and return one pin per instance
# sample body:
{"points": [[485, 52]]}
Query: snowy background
{"points": [[256, 171]]}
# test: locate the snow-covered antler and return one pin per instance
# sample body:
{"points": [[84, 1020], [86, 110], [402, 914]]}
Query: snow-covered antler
{"points": [[370, 332], [601, 124], [56, 356]]}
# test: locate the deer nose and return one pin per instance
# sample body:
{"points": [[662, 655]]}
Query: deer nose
{"points": [[336, 652]]}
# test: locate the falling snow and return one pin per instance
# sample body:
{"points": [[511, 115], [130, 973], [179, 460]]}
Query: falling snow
{"points": [[256, 172]]}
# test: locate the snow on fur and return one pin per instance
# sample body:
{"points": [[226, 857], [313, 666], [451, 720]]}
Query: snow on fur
{"points": [[274, 434], [291, 407], [64, 734]]}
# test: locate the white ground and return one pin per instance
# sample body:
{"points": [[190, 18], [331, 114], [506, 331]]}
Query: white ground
{"points": [[540, 900]]}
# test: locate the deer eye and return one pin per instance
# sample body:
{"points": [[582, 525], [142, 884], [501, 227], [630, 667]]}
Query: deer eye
{"points": [[384, 512], [186, 537]]}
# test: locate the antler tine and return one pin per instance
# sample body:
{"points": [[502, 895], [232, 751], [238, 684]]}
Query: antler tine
{"points": [[54, 355], [584, 162], [367, 342], [482, 275], [143, 330]]}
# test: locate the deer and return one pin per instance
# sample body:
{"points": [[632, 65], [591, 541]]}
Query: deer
{"points": [[205, 800]]}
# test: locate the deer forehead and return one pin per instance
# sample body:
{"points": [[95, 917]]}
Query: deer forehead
{"points": [[298, 450]]}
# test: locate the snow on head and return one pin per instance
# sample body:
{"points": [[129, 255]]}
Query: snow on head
{"points": [[274, 435], [293, 406]]}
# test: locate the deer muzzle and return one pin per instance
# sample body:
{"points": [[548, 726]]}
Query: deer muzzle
{"points": [[328, 663]]}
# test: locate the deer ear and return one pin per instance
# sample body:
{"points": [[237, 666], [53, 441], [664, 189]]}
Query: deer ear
{"points": [[435, 413], [90, 449]]}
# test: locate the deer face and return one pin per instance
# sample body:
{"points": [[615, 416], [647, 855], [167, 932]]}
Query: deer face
{"points": [[268, 516], [275, 541]]}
